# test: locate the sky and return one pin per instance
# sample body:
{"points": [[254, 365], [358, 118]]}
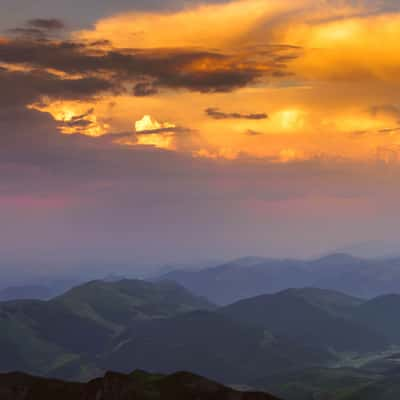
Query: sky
{"points": [[150, 132]]}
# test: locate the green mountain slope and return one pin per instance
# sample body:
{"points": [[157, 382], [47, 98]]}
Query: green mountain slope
{"points": [[381, 314], [66, 335], [336, 303], [114, 304], [309, 319], [158, 326], [209, 344], [39, 336]]}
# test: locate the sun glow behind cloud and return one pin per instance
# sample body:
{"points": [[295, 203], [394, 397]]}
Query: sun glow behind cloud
{"points": [[147, 124], [73, 118], [319, 68], [153, 133]]}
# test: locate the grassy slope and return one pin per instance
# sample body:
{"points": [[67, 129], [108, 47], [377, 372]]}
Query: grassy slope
{"points": [[381, 314], [113, 305], [310, 317], [209, 344], [65, 335]]}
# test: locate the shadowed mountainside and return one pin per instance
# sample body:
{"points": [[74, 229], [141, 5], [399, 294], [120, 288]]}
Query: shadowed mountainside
{"points": [[380, 314], [211, 345], [309, 316], [43, 337], [162, 327]]}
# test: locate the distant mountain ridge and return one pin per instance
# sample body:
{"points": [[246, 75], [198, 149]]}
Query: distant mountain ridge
{"points": [[253, 276]]}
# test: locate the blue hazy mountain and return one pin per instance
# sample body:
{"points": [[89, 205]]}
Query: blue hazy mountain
{"points": [[243, 278]]}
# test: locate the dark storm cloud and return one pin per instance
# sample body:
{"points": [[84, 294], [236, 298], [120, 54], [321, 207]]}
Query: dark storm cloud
{"points": [[171, 69], [21, 88], [29, 33], [210, 81], [144, 72], [175, 130], [38, 28], [215, 113], [52, 24], [143, 89]]}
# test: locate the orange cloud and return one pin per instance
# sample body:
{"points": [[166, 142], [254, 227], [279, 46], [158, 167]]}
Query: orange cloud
{"points": [[74, 117], [362, 48], [148, 124], [317, 71], [213, 26], [153, 133]]}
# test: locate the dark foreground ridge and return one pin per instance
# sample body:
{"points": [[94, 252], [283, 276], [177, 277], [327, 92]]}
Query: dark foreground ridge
{"points": [[113, 386]]}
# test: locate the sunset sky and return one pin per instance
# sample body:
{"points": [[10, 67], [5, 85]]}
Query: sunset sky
{"points": [[156, 131]]}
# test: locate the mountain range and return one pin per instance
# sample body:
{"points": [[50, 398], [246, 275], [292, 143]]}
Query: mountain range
{"points": [[290, 343], [135, 324], [253, 276]]}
